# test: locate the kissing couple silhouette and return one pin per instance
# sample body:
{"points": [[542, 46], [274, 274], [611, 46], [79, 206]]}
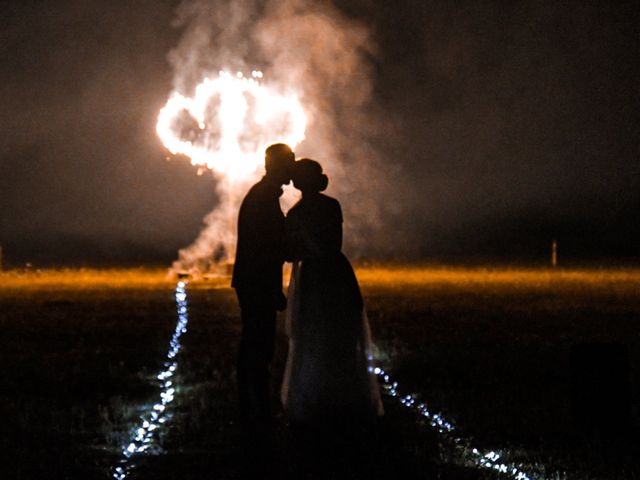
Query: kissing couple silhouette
{"points": [[326, 379]]}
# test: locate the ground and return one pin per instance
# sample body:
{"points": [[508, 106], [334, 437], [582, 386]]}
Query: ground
{"points": [[496, 351]]}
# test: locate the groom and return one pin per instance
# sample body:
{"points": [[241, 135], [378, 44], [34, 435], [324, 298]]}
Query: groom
{"points": [[257, 279]]}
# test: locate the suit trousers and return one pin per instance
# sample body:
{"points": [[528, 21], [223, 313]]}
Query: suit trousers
{"points": [[255, 354]]}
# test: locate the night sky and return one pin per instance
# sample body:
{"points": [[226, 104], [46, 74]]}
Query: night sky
{"points": [[509, 124]]}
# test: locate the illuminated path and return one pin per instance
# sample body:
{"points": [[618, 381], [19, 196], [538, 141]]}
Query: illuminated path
{"points": [[144, 438]]}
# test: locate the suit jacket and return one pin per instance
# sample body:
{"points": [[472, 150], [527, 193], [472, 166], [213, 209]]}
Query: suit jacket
{"points": [[260, 251]]}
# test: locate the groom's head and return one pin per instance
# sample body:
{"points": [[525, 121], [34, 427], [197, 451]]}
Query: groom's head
{"points": [[278, 162]]}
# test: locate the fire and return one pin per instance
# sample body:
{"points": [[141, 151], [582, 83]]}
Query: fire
{"points": [[226, 127], [229, 122]]}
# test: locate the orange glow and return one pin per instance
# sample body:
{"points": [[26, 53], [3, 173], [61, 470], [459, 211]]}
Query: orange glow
{"points": [[500, 278], [386, 277]]}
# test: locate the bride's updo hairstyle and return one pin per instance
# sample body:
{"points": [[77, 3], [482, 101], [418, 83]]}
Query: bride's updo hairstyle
{"points": [[308, 177]]}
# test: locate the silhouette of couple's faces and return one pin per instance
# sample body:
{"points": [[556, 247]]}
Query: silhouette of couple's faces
{"points": [[282, 167]]}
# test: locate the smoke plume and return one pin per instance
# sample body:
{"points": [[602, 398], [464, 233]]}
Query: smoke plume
{"points": [[312, 47]]}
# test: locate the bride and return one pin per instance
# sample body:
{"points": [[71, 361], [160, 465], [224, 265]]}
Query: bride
{"points": [[326, 377]]}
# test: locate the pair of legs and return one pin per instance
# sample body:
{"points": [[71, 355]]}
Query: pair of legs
{"points": [[254, 357]]}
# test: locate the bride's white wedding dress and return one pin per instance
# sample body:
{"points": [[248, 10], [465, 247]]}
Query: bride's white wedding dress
{"points": [[326, 376]]}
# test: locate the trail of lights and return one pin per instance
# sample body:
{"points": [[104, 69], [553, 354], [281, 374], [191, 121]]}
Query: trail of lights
{"points": [[144, 437], [487, 460]]}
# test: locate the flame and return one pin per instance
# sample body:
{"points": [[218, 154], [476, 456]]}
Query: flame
{"points": [[229, 122], [226, 127]]}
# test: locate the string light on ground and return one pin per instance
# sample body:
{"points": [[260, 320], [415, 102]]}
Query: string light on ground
{"points": [[144, 438], [488, 460]]}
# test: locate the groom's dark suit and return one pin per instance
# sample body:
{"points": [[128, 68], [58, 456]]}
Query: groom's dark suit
{"points": [[257, 278]]}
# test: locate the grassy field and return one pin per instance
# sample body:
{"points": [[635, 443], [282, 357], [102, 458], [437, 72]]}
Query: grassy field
{"points": [[488, 348]]}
